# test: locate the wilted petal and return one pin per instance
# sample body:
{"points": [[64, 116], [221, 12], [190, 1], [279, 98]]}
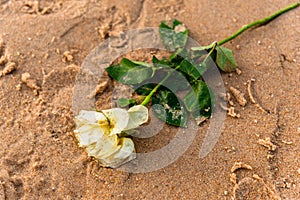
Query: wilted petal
{"points": [[98, 133], [88, 134], [118, 119], [104, 147], [85, 117], [137, 116], [123, 155]]}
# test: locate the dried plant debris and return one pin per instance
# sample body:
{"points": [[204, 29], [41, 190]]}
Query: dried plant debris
{"points": [[100, 88], [239, 96], [33, 7], [31, 83], [249, 85], [267, 143], [229, 149], [230, 111], [226, 97], [9, 67]]}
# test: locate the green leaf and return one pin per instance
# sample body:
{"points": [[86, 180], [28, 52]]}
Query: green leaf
{"points": [[189, 69], [199, 100], [178, 56], [225, 59], [141, 63], [176, 82], [175, 23], [173, 37], [160, 63], [167, 107], [123, 102], [128, 72]]}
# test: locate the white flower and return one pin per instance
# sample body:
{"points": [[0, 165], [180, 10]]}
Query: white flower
{"points": [[97, 132]]}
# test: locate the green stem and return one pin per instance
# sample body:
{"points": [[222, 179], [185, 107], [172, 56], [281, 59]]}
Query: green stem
{"points": [[214, 45], [148, 97], [259, 22]]}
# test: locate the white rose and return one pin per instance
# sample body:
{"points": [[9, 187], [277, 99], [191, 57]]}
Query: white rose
{"points": [[97, 132]]}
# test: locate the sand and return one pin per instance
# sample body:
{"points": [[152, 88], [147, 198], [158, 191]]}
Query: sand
{"points": [[39, 155]]}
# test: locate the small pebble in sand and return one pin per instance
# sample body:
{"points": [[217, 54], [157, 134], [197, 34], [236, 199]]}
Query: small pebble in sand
{"points": [[9, 67], [239, 96], [19, 87], [31, 83], [298, 171], [104, 31], [238, 71], [267, 143], [270, 156], [229, 149], [257, 64], [255, 176], [68, 57], [46, 56], [3, 60]]}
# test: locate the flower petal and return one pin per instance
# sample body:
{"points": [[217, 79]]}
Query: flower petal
{"points": [[104, 147], [88, 134], [85, 117], [123, 155], [137, 116], [118, 119]]}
